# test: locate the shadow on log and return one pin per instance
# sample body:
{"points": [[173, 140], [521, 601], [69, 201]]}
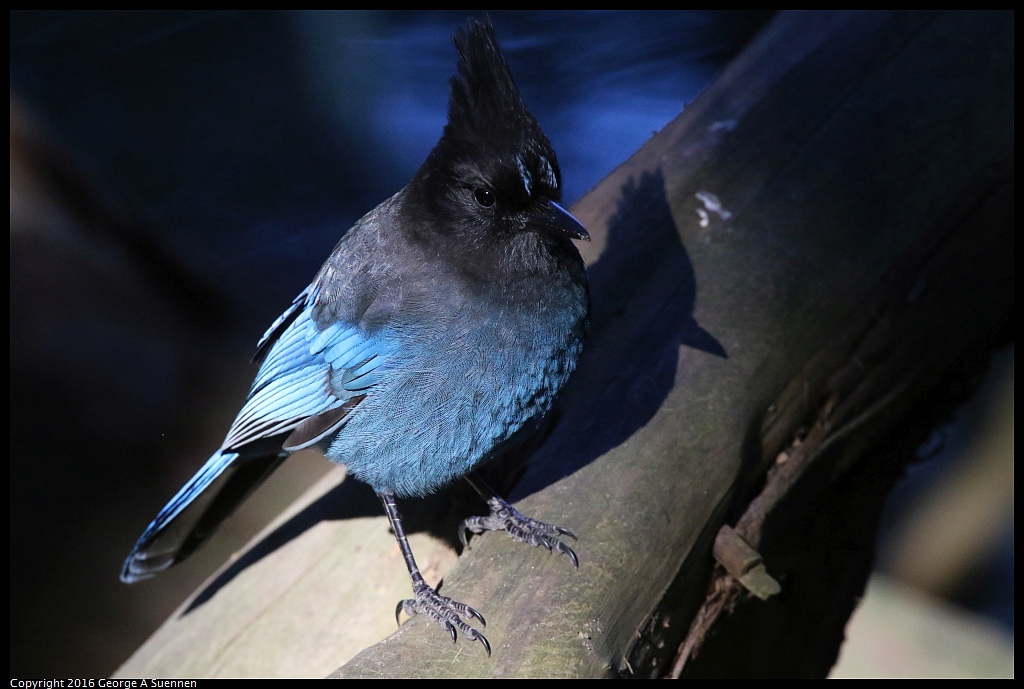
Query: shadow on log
{"points": [[791, 282]]}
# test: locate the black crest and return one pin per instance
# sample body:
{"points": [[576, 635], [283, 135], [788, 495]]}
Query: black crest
{"points": [[485, 108], [484, 94]]}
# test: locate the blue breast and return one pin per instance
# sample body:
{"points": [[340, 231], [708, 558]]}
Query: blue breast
{"points": [[455, 391]]}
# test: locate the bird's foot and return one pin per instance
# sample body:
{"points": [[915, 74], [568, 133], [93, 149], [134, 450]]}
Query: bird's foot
{"points": [[504, 517], [444, 611]]}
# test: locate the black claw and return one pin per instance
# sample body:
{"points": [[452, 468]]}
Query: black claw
{"points": [[566, 532], [471, 612], [398, 611], [442, 610], [482, 639], [504, 517]]}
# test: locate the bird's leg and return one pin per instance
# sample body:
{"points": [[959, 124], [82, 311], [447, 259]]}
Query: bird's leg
{"points": [[440, 609], [504, 517]]}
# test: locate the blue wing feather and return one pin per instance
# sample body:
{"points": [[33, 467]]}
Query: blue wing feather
{"points": [[306, 297], [306, 371]]}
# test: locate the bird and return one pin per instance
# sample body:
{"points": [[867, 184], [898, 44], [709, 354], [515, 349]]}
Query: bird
{"points": [[434, 338]]}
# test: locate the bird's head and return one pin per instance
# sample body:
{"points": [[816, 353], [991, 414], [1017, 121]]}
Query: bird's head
{"points": [[494, 172]]}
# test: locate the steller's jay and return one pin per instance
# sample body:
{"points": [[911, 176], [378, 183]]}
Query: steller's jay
{"points": [[435, 337]]}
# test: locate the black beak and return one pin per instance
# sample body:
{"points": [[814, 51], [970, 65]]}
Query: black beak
{"points": [[557, 221]]}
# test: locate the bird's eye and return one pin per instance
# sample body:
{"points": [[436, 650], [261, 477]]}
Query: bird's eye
{"points": [[484, 197]]}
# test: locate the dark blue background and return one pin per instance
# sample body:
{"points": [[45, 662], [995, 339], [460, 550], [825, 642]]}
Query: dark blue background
{"points": [[252, 140]]}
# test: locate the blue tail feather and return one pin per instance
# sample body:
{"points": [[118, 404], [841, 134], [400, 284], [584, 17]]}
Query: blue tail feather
{"points": [[196, 511]]}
